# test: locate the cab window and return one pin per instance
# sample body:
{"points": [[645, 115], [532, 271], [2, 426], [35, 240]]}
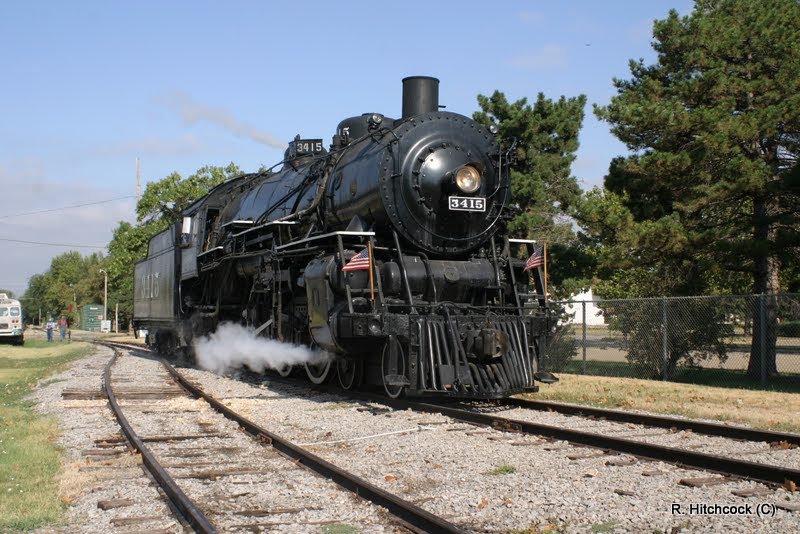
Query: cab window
{"points": [[14, 312], [3, 312]]}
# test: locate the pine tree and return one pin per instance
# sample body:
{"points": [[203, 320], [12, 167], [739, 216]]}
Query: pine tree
{"points": [[714, 127], [544, 138]]}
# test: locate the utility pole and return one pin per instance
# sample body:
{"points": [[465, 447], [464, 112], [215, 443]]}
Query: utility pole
{"points": [[105, 293], [138, 184]]}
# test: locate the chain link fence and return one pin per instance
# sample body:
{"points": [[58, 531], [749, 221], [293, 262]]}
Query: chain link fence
{"points": [[731, 341]]}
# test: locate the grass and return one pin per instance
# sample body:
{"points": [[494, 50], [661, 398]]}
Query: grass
{"points": [[339, 528], [502, 470], [29, 459], [703, 376], [773, 410], [605, 526], [601, 368], [729, 378]]}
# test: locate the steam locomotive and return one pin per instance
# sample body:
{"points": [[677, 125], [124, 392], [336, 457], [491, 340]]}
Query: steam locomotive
{"points": [[386, 251]]}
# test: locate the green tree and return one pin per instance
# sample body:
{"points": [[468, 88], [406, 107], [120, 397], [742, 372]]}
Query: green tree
{"points": [[34, 299], [161, 204], [128, 245], [163, 201], [544, 138], [69, 283], [8, 292], [711, 191]]}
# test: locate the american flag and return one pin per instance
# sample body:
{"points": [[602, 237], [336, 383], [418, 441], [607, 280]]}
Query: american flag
{"points": [[359, 262], [536, 260]]}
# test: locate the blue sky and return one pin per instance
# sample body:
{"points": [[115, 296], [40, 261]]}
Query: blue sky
{"points": [[89, 86]]}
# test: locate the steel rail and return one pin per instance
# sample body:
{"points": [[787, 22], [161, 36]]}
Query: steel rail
{"points": [[413, 517], [661, 421], [653, 420], [185, 506], [708, 462]]}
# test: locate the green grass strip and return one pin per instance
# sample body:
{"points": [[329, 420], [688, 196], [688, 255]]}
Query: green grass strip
{"points": [[29, 458]]}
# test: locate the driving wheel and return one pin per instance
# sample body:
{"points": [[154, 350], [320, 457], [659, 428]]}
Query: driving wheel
{"points": [[319, 371], [350, 371], [393, 368]]}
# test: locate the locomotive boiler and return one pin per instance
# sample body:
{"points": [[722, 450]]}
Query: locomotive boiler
{"points": [[386, 251]]}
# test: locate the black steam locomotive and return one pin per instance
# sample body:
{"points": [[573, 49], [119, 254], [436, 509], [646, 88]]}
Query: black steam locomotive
{"points": [[387, 251]]}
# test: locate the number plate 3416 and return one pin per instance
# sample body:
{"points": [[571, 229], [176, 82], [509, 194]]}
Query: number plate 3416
{"points": [[467, 203]]}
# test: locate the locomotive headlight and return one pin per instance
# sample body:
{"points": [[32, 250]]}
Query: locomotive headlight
{"points": [[468, 179]]}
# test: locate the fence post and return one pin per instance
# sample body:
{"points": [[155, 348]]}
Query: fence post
{"points": [[664, 342], [583, 344], [762, 337]]}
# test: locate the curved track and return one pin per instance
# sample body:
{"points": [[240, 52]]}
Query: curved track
{"points": [[184, 505], [407, 514], [767, 473]]}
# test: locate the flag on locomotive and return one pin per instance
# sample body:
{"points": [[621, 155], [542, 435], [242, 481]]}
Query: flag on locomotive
{"points": [[359, 262], [536, 259]]}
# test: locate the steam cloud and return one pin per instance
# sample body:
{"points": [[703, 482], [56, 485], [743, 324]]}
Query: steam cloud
{"points": [[192, 112], [233, 346]]}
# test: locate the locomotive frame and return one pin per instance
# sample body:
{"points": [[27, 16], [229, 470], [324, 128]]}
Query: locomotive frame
{"points": [[442, 304]]}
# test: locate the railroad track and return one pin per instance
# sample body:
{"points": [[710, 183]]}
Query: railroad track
{"points": [[657, 421], [613, 450], [766, 473], [405, 515]]}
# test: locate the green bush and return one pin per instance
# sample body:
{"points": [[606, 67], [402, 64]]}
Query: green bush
{"points": [[661, 334], [789, 329], [561, 349]]}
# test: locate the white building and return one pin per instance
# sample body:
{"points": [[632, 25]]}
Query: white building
{"points": [[594, 316]]}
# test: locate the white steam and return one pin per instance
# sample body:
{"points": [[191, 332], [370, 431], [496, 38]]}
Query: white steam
{"points": [[233, 346]]}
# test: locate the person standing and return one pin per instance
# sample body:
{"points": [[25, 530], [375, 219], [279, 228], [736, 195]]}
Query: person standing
{"points": [[50, 326], [62, 327]]}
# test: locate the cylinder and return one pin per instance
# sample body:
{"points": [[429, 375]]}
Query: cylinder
{"points": [[420, 95]]}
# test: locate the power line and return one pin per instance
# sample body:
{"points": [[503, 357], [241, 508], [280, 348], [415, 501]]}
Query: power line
{"points": [[66, 207], [50, 244]]}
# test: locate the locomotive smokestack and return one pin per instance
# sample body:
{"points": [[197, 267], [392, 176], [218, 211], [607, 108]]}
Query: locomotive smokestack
{"points": [[420, 95]]}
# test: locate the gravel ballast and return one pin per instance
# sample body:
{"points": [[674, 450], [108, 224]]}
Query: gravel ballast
{"points": [[480, 479]]}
